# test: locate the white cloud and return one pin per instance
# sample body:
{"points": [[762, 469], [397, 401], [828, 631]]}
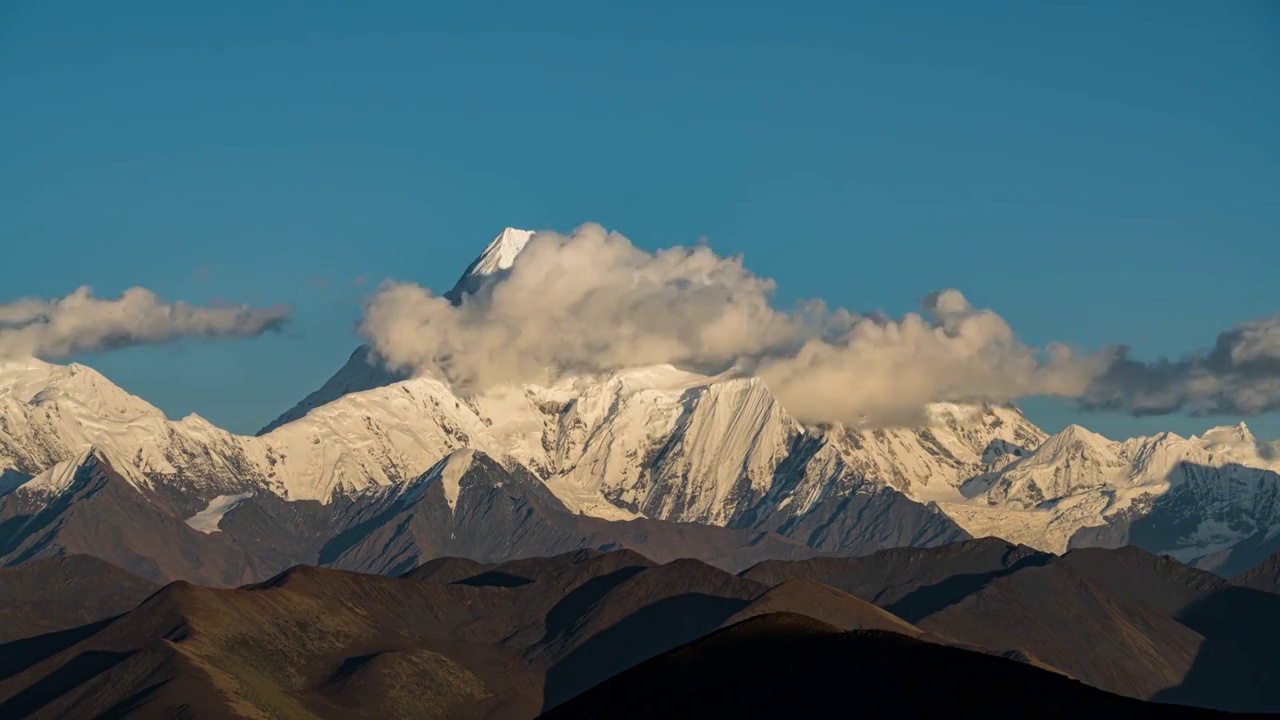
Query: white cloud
{"points": [[80, 322], [592, 302], [884, 371]]}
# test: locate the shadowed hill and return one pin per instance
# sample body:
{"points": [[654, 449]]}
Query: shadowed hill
{"points": [[825, 604], [1265, 576], [459, 638], [785, 665], [1122, 620], [503, 642], [59, 593], [910, 582]]}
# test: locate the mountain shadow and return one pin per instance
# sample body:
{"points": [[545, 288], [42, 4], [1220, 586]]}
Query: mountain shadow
{"points": [[785, 665], [926, 601], [1163, 524], [665, 624], [1238, 665]]}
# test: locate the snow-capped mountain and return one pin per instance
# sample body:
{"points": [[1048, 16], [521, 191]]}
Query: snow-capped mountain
{"points": [[498, 256], [362, 372], [651, 444]]}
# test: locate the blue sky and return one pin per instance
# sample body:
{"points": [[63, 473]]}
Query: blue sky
{"points": [[1094, 172]]}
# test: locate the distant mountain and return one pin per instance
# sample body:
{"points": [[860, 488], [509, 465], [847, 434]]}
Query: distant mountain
{"points": [[93, 506], [362, 371], [466, 505], [313, 489], [707, 466], [788, 665]]}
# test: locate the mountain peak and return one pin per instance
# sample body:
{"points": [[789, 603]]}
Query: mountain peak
{"points": [[1229, 435], [501, 252], [497, 257], [1074, 440]]}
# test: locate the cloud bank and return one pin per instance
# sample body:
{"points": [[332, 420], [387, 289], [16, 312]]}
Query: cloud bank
{"points": [[80, 322], [882, 371], [592, 302], [1239, 375]]}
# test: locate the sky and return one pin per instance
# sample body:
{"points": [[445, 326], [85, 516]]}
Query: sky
{"points": [[1094, 172]]}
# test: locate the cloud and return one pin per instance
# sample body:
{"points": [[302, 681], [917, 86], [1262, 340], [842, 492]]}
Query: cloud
{"points": [[592, 302], [80, 322], [1239, 375], [884, 372]]}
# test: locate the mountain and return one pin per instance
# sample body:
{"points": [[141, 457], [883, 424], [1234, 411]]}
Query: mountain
{"points": [[1123, 620], [508, 641], [645, 447], [465, 505], [522, 636], [468, 505], [498, 257], [60, 593], [672, 445], [305, 491], [904, 578], [97, 506], [1265, 576], [795, 666], [825, 604], [362, 371]]}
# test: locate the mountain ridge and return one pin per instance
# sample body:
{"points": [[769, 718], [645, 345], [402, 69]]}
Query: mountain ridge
{"points": [[456, 638], [664, 444]]}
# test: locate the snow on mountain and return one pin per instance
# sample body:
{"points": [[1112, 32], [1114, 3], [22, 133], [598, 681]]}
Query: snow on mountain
{"points": [[660, 443], [360, 372], [208, 520], [497, 258], [376, 437], [654, 442], [449, 473], [665, 444], [500, 254], [1184, 497], [67, 474], [363, 372]]}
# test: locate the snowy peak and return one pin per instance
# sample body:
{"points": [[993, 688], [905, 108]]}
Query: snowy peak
{"points": [[501, 252], [500, 255], [363, 371], [90, 463], [1229, 435], [985, 434], [1076, 444], [23, 378], [76, 387], [1068, 463], [1236, 443]]}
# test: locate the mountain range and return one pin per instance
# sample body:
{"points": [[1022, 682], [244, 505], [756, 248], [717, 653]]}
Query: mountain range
{"points": [[377, 472], [982, 625]]}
